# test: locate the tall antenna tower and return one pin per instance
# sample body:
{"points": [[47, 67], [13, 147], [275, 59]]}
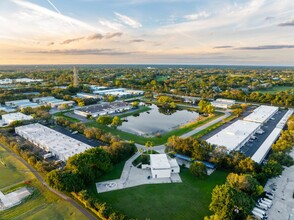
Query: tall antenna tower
{"points": [[75, 77]]}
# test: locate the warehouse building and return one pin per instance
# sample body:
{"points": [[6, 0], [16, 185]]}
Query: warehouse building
{"points": [[162, 167], [60, 145], [18, 116], [236, 135], [20, 104], [102, 109], [223, 103], [264, 149], [262, 114], [119, 92], [53, 102], [88, 96]]}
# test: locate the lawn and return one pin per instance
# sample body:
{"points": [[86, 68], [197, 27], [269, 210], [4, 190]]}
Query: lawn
{"points": [[13, 172], [62, 114], [156, 140], [275, 89], [187, 200], [42, 204]]}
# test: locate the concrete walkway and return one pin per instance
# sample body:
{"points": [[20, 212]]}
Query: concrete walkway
{"points": [[200, 128], [132, 176]]}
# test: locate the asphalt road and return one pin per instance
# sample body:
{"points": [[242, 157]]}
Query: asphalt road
{"points": [[251, 147], [40, 178]]}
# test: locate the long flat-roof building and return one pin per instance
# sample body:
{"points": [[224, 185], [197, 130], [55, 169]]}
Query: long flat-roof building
{"points": [[120, 92], [88, 96], [236, 135], [52, 101], [223, 103], [264, 149], [102, 109], [60, 145], [23, 103], [162, 167], [18, 116], [262, 114]]}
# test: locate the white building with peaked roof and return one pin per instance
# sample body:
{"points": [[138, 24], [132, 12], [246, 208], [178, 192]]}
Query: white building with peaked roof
{"points": [[60, 145], [162, 167], [236, 135], [262, 114]]}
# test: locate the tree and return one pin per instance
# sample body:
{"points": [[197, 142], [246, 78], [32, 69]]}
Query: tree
{"points": [[282, 158], [116, 121], [246, 165], [272, 168], [237, 111], [245, 183], [173, 105], [135, 104], [206, 107], [198, 169], [230, 204], [104, 120], [148, 144]]}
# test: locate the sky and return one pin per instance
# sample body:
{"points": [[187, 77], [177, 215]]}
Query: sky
{"points": [[245, 32]]}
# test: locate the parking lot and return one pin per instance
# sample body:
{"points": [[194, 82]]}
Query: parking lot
{"points": [[252, 146], [79, 137]]}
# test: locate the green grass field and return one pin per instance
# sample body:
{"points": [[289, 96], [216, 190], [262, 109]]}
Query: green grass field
{"points": [[42, 204], [187, 200], [12, 172], [156, 140], [276, 89]]}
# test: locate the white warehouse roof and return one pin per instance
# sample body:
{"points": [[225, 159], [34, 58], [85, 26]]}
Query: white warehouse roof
{"points": [[18, 116], [261, 114], [48, 139], [159, 161], [235, 135]]}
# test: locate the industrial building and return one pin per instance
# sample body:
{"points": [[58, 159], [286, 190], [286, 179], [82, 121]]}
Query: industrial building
{"points": [[264, 149], [60, 145], [9, 118], [162, 167], [223, 103], [102, 109], [236, 135], [262, 114], [53, 102], [20, 104], [88, 96], [13, 198], [119, 92]]}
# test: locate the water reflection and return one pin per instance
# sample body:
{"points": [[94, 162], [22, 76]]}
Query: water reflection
{"points": [[157, 121]]}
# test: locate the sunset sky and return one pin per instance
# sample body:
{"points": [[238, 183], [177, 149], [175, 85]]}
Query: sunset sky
{"points": [[258, 32]]}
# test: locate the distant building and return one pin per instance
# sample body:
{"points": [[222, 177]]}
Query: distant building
{"points": [[60, 145], [24, 103], [53, 102], [20, 80], [223, 103], [9, 118], [13, 198], [119, 92], [102, 109], [75, 77], [88, 96], [162, 167]]}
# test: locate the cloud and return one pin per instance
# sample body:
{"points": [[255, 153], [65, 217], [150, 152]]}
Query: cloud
{"points": [[112, 35], [109, 52], [111, 24], [55, 8], [222, 47], [267, 47], [137, 40], [197, 16], [290, 23], [95, 37], [51, 43], [68, 41], [128, 21]]}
